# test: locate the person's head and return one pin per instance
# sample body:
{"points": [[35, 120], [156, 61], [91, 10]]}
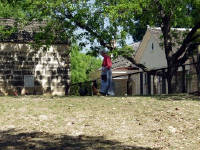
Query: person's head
{"points": [[102, 52]]}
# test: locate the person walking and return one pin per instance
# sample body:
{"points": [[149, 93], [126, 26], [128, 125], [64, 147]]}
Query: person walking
{"points": [[106, 75]]}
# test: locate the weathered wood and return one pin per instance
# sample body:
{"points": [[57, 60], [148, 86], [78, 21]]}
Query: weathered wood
{"points": [[148, 83], [163, 82], [183, 79], [141, 83], [129, 86]]}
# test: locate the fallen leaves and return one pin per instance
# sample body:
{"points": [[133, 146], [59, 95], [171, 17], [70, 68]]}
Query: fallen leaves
{"points": [[130, 120]]}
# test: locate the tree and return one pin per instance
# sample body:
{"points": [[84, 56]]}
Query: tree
{"points": [[64, 19], [82, 65], [165, 14], [105, 21]]}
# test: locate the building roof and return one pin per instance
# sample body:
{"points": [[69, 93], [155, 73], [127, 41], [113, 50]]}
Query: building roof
{"points": [[122, 63], [24, 34], [31, 27], [178, 35]]}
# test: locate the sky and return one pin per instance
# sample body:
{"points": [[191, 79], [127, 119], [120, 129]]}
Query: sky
{"points": [[128, 40]]}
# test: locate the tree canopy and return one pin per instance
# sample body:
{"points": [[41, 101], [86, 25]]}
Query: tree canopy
{"points": [[105, 22], [164, 14], [82, 65]]}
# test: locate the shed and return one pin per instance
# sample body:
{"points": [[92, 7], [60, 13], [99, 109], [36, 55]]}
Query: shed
{"points": [[25, 70]]}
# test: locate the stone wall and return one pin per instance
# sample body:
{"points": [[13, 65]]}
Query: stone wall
{"points": [[27, 71]]}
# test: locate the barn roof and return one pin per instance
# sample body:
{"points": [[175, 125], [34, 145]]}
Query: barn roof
{"points": [[178, 35], [121, 62], [23, 34]]}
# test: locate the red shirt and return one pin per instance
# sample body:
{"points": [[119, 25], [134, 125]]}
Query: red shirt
{"points": [[107, 62]]}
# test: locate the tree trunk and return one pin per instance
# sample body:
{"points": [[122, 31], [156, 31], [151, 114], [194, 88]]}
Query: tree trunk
{"points": [[172, 70], [198, 73], [163, 82], [169, 83], [129, 86], [183, 80], [197, 67]]}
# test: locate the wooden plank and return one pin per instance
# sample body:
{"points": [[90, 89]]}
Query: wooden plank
{"points": [[141, 83]]}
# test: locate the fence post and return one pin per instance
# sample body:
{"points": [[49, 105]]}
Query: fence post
{"points": [[198, 66], [141, 83], [129, 85], [149, 83], [183, 79], [163, 82]]}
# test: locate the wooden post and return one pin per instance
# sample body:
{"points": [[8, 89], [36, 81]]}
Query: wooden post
{"points": [[163, 82], [183, 79], [141, 83], [149, 83], [175, 87], [198, 73], [129, 85]]}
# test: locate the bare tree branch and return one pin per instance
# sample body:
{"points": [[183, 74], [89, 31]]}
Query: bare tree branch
{"points": [[186, 42]]}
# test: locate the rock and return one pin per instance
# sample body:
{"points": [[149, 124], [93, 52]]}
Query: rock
{"points": [[172, 129], [70, 123], [43, 117], [176, 108], [11, 126], [23, 92]]}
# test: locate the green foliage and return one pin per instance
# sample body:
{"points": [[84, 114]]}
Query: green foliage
{"points": [[102, 21], [11, 9], [135, 15], [126, 51], [82, 65], [64, 18]]}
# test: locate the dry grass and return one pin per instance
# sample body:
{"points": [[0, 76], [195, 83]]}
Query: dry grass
{"points": [[100, 123]]}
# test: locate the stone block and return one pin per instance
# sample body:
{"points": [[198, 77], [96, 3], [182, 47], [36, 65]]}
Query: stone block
{"points": [[17, 63], [37, 83], [29, 90], [59, 91], [1, 71], [17, 72], [39, 90], [21, 58], [9, 77], [16, 83], [18, 77], [7, 71], [27, 72]]}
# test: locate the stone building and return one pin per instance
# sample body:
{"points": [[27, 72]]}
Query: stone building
{"points": [[25, 70]]}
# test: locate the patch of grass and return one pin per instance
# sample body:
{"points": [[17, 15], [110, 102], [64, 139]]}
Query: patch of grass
{"points": [[99, 123]]}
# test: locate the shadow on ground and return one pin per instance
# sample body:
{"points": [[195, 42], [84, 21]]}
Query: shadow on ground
{"points": [[16, 140], [177, 97]]}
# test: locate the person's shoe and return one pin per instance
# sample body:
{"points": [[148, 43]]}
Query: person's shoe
{"points": [[102, 94]]}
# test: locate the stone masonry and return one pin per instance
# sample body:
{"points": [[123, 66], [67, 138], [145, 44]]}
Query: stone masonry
{"points": [[26, 71]]}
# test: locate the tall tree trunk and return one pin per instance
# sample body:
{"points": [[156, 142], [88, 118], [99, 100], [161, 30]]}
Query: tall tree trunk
{"points": [[163, 82], [198, 72], [172, 70], [129, 85], [183, 79], [197, 66], [169, 83]]}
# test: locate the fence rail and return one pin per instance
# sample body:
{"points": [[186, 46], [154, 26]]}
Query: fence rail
{"points": [[146, 82]]}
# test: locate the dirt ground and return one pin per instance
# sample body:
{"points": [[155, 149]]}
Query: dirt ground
{"points": [[100, 123]]}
